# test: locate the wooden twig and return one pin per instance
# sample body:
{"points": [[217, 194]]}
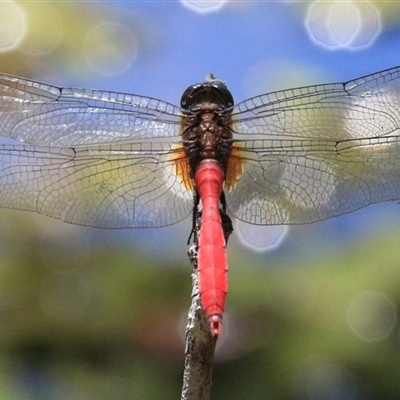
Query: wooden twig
{"points": [[199, 345]]}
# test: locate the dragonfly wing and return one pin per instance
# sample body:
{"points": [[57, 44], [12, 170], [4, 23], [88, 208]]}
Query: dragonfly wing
{"points": [[308, 181], [45, 115], [362, 108], [317, 152], [104, 186]]}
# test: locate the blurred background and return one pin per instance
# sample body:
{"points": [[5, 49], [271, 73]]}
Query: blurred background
{"points": [[312, 311]]}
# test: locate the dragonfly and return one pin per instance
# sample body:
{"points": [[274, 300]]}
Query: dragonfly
{"points": [[115, 160]]}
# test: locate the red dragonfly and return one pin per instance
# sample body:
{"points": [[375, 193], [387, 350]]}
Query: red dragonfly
{"points": [[115, 160]]}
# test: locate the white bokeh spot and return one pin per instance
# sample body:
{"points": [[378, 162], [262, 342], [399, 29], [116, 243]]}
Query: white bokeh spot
{"points": [[260, 237], [13, 26], [204, 6], [351, 25]]}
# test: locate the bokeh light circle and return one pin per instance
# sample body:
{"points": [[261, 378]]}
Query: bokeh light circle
{"points": [[42, 19], [13, 26], [259, 237], [204, 6], [351, 25], [371, 316], [110, 49], [323, 379]]}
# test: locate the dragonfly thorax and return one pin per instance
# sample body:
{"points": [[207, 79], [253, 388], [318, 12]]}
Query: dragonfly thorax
{"points": [[207, 134]]}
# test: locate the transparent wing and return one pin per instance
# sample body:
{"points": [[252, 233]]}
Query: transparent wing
{"points": [[45, 115], [317, 152], [362, 108], [105, 186]]}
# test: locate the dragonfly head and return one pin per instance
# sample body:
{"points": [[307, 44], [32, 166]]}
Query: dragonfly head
{"points": [[211, 91]]}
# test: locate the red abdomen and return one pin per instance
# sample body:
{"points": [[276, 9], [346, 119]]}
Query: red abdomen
{"points": [[212, 260]]}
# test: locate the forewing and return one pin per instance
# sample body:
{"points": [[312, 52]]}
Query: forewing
{"points": [[362, 108], [104, 186], [317, 152], [45, 115]]}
